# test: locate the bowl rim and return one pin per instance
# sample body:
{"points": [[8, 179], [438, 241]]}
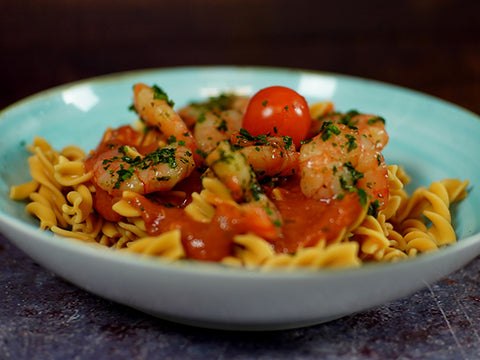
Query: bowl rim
{"points": [[191, 266], [296, 70]]}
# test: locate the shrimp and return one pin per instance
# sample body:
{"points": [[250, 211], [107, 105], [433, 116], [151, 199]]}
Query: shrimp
{"points": [[215, 120], [340, 160], [195, 111], [156, 110], [122, 167], [268, 155], [145, 162], [231, 167], [216, 127], [371, 126]]}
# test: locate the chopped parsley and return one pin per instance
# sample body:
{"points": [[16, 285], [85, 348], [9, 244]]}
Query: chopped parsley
{"points": [[159, 94], [258, 140], [277, 223], [226, 157], [222, 126], [221, 102], [350, 185], [256, 190], [376, 120], [328, 130], [202, 153], [346, 119], [363, 197], [303, 142], [201, 118], [123, 174], [288, 141], [171, 139], [163, 155], [351, 144], [373, 208], [354, 174]]}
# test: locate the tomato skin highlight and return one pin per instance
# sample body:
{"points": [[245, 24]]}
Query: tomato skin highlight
{"points": [[280, 111]]}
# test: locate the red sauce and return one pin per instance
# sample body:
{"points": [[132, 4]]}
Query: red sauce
{"points": [[202, 241], [305, 221], [103, 202]]}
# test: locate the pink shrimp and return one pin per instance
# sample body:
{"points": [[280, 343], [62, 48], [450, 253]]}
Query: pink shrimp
{"points": [[195, 111], [340, 160], [157, 160], [268, 155], [154, 107], [215, 120], [371, 126], [122, 168]]}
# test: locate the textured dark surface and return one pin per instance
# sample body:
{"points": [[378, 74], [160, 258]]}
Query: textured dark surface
{"points": [[44, 317]]}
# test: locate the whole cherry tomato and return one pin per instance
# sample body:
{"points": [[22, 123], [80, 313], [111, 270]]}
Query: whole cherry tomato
{"points": [[278, 110]]}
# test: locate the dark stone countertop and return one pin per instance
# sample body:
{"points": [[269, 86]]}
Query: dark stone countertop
{"points": [[44, 317]]}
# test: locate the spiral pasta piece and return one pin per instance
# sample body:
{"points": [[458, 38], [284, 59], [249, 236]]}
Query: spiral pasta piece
{"points": [[338, 255], [252, 250], [61, 195], [167, 245], [417, 237], [23, 191], [70, 173], [371, 237], [397, 179], [432, 204], [43, 212], [123, 208], [79, 206]]}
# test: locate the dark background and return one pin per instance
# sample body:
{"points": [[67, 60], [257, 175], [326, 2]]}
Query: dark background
{"points": [[428, 45]]}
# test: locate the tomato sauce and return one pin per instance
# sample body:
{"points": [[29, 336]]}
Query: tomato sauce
{"points": [[305, 221], [201, 241]]}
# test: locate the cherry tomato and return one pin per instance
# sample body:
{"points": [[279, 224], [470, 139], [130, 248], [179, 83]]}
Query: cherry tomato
{"points": [[278, 110]]}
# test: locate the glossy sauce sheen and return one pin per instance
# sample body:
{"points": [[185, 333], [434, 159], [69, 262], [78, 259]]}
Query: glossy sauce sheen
{"points": [[305, 221]]}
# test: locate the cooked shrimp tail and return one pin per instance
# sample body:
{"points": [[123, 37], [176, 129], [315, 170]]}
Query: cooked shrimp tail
{"points": [[156, 110]]}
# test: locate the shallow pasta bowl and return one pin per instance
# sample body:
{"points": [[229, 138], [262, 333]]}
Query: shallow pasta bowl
{"points": [[430, 138]]}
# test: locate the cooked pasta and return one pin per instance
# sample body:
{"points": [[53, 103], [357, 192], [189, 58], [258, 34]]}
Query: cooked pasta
{"points": [[168, 208]]}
